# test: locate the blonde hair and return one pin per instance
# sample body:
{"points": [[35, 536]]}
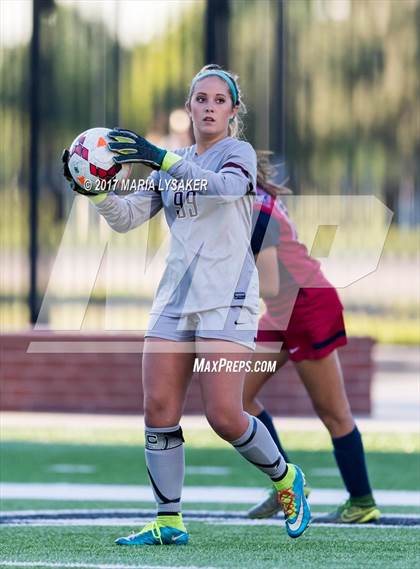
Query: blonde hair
{"points": [[236, 126], [265, 171]]}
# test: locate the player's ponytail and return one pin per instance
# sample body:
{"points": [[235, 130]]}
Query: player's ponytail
{"points": [[236, 126], [265, 171]]}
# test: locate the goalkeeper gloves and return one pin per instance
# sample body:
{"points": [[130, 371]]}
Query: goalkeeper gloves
{"points": [[66, 173], [131, 147]]}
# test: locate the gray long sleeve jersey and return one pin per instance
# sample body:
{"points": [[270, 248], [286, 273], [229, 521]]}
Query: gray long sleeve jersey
{"points": [[210, 263]]}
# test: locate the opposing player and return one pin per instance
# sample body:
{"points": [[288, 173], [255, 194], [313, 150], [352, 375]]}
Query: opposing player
{"points": [[206, 303], [305, 313]]}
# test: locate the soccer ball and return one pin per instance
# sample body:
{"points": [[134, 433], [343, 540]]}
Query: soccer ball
{"points": [[91, 164]]}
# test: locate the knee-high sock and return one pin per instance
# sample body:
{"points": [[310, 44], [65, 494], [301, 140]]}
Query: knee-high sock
{"points": [[267, 420], [164, 451], [350, 457], [257, 446]]}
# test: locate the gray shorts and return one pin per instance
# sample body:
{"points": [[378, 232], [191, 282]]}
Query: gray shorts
{"points": [[234, 324]]}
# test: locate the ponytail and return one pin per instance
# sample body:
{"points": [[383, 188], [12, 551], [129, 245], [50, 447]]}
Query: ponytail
{"points": [[265, 171]]}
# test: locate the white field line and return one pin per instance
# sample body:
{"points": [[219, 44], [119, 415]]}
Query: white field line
{"points": [[90, 565], [201, 494], [91, 469], [133, 522], [188, 514], [208, 470], [274, 523], [330, 472], [72, 468]]}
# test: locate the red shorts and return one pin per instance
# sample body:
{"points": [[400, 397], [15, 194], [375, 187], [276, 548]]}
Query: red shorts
{"points": [[316, 327]]}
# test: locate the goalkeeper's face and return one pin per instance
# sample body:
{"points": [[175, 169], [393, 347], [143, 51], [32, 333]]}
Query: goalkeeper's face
{"points": [[211, 108]]}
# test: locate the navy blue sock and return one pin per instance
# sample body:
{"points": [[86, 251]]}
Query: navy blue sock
{"points": [[350, 457], [267, 420]]}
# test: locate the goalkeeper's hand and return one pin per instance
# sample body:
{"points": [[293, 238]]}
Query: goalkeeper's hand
{"points": [[131, 147], [66, 173]]}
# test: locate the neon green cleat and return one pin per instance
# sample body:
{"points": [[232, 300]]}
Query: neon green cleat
{"points": [[353, 511], [158, 533], [291, 496], [270, 506]]}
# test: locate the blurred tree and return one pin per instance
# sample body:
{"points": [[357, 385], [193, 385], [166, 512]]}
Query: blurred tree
{"points": [[156, 76], [351, 92]]}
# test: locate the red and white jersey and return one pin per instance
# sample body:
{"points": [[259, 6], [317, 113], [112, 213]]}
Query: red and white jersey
{"points": [[299, 273]]}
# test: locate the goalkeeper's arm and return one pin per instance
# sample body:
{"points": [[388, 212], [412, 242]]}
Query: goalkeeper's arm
{"points": [[128, 212]]}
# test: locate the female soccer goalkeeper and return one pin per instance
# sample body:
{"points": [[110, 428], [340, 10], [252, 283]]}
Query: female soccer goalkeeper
{"points": [[305, 313], [206, 304]]}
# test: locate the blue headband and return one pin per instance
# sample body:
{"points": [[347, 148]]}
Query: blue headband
{"points": [[222, 75]]}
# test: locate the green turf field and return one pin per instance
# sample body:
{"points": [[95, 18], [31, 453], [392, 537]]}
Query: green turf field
{"points": [[78, 451], [118, 464], [235, 547]]}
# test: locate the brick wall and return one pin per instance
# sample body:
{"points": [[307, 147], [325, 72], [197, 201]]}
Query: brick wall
{"points": [[111, 382]]}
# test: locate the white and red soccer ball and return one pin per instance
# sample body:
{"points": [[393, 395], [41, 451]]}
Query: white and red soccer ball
{"points": [[90, 162]]}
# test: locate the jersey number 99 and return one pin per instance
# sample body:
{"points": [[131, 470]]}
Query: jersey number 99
{"points": [[185, 204]]}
